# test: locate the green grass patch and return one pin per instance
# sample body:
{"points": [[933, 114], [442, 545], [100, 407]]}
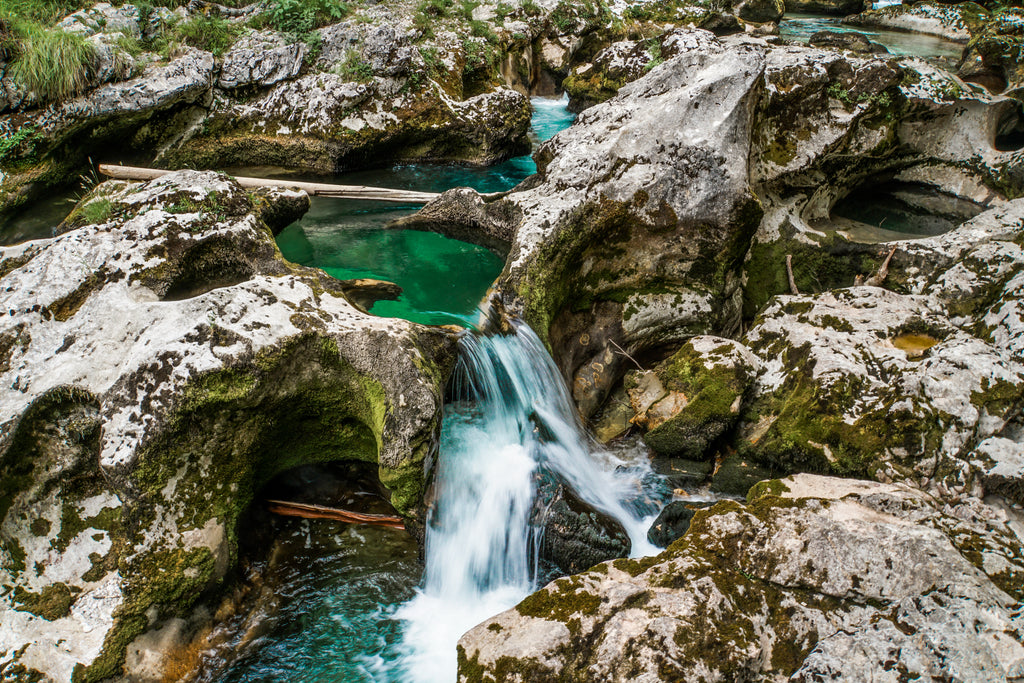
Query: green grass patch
{"points": [[97, 211], [51, 63], [353, 68]]}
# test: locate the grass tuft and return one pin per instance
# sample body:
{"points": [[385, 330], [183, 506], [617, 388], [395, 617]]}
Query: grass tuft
{"points": [[51, 63]]}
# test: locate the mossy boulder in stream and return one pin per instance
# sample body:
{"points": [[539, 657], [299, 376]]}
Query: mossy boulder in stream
{"points": [[167, 363], [814, 578], [690, 399]]}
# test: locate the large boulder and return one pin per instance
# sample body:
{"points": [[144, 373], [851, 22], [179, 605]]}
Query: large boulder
{"points": [[261, 59], [832, 125], [626, 61], [923, 385], [162, 363], [632, 235], [863, 381], [813, 579], [994, 57]]}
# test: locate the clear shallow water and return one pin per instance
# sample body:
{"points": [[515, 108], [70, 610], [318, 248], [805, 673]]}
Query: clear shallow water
{"points": [[900, 211], [38, 219], [802, 26], [442, 279], [326, 612]]}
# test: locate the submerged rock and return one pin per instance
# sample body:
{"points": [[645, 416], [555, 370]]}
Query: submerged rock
{"points": [[165, 363], [815, 578], [854, 42]]}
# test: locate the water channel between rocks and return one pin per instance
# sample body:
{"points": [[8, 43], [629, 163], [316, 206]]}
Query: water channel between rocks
{"points": [[340, 603], [802, 26]]}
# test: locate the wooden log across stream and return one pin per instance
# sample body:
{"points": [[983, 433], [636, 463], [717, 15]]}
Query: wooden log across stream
{"points": [[306, 511], [377, 194]]}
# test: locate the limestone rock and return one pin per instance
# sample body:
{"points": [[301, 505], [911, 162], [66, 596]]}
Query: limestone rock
{"points": [[839, 393], [634, 204], [626, 61], [186, 79], [992, 58], [814, 578], [161, 363], [854, 42], [261, 59], [104, 18]]}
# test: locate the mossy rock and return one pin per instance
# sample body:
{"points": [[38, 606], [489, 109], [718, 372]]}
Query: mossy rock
{"points": [[705, 383]]}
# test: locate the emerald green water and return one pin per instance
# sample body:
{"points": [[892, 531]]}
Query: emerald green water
{"points": [[442, 279]]}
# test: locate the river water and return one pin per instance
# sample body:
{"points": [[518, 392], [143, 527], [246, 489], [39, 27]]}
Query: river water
{"points": [[803, 26]]}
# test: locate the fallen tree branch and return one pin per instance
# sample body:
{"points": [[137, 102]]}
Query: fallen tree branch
{"points": [[378, 194], [878, 278], [789, 271], [623, 352], [306, 511]]}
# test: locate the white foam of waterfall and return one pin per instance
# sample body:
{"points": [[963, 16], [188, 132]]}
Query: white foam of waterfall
{"points": [[516, 418]]}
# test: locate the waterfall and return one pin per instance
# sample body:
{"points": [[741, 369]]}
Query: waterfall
{"points": [[513, 418]]}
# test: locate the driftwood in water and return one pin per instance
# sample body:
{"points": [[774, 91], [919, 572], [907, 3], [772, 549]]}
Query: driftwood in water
{"points": [[377, 194], [289, 509]]}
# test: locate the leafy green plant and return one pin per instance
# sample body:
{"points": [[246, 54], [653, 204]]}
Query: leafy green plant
{"points": [[51, 63], [353, 68], [299, 17], [530, 8], [466, 9], [654, 52], [11, 143], [481, 29], [480, 57]]}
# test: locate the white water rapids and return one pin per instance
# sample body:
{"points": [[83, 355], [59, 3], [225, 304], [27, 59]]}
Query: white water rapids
{"points": [[517, 418]]}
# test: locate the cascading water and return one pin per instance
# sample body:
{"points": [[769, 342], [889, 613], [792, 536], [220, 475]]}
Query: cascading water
{"points": [[514, 420]]}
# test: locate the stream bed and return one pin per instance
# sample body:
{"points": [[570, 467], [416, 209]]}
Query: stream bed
{"points": [[340, 603]]}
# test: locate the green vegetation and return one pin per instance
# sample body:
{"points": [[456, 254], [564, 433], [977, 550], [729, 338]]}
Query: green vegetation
{"points": [[208, 32], [427, 12], [13, 144], [97, 211], [299, 17], [49, 62], [354, 68]]}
